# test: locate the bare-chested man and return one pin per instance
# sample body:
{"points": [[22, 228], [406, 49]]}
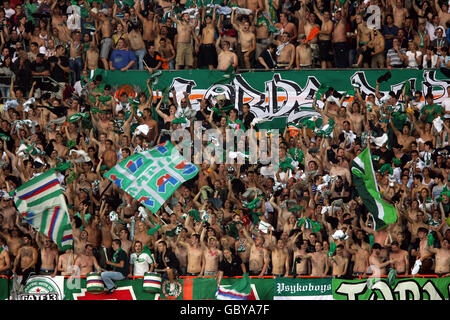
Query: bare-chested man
{"points": [[303, 54], [92, 227], [137, 45], [13, 240], [377, 44], [140, 234], [49, 255], [360, 251], [5, 261], [80, 241], [285, 53], [226, 57], [87, 261], [207, 56], [400, 259], [195, 253], [423, 253], [242, 246], [309, 25], [66, 263], [280, 260], [300, 263], [91, 58], [26, 259], [263, 38], [149, 23], [325, 45], [168, 53], [319, 261], [400, 13], [339, 262], [259, 256], [287, 27], [124, 236], [152, 134], [363, 39], [442, 258], [339, 38], [355, 117], [185, 51], [255, 5], [181, 252], [376, 261], [442, 10], [211, 258], [247, 40], [106, 31]]}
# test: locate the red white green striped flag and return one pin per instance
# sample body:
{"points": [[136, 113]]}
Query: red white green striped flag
{"points": [[42, 205]]}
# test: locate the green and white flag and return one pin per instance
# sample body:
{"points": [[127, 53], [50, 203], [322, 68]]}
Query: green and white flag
{"points": [[303, 289], [364, 178], [42, 205], [151, 176]]}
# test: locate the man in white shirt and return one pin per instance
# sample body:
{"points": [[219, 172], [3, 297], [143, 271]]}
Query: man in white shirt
{"points": [[9, 12], [446, 104], [140, 262]]}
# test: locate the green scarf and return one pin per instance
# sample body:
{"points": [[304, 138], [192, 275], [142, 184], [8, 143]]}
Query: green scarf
{"points": [[371, 240], [332, 249], [71, 143], [386, 167], [297, 155], [295, 209], [315, 226], [97, 110], [254, 203], [264, 20], [195, 214], [286, 164], [72, 176], [322, 89], [391, 278], [309, 123], [77, 116], [232, 229], [430, 239], [179, 120], [175, 231], [152, 231]]}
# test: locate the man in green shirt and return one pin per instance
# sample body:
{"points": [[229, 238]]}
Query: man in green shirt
{"points": [[120, 266], [431, 110]]}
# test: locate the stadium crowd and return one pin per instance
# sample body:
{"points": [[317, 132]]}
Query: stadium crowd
{"points": [[306, 218]]}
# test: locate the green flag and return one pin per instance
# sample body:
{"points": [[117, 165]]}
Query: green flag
{"points": [[364, 178], [152, 176]]}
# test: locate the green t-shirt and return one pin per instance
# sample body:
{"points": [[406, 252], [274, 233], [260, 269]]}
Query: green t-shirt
{"points": [[434, 110]]}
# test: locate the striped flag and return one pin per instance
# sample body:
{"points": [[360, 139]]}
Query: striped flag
{"points": [[366, 184], [42, 205], [240, 290]]}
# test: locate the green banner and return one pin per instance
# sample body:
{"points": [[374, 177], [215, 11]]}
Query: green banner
{"points": [[185, 289], [4, 288], [275, 94], [401, 289], [303, 289]]}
